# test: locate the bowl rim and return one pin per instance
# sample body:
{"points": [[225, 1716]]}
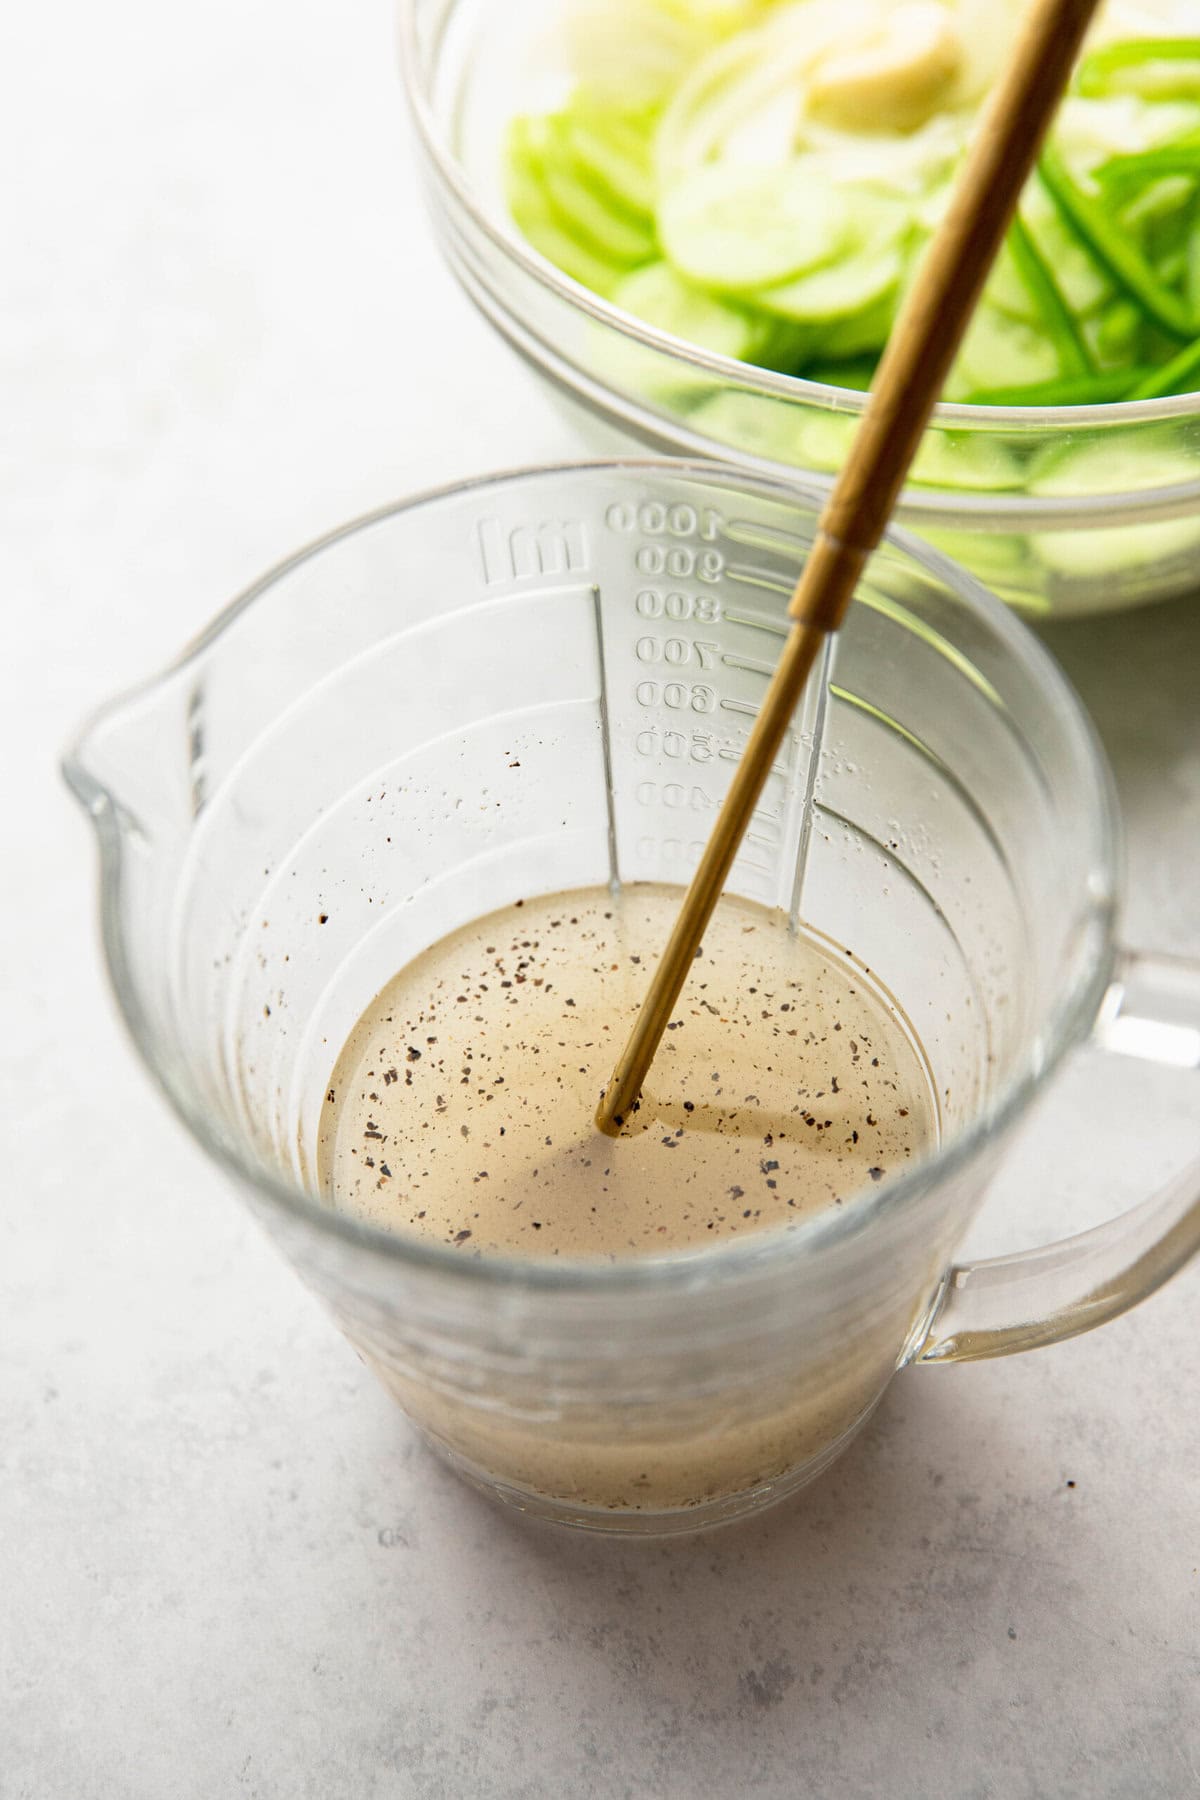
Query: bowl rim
{"points": [[950, 415], [1068, 1021]]}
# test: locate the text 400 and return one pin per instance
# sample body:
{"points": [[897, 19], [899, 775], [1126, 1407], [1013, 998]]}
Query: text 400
{"points": [[671, 849]]}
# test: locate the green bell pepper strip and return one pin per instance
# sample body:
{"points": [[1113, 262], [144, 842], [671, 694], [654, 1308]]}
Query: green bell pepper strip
{"points": [[1127, 173], [1110, 247], [1179, 376], [1092, 75], [1068, 390], [1056, 315]]}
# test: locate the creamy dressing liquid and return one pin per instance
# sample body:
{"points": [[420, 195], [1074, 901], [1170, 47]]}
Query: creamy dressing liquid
{"points": [[461, 1108]]}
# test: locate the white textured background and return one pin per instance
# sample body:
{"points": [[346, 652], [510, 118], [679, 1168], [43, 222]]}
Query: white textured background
{"points": [[226, 1568]]}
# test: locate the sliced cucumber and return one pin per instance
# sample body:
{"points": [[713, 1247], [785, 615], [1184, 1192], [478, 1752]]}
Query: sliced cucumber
{"points": [[956, 459], [821, 441], [605, 226], [1006, 290], [741, 421], [1112, 549], [1001, 561], [538, 221], [966, 460], [862, 333], [1000, 352], [614, 151], [839, 291], [1101, 468], [735, 229], [605, 231], [661, 297], [1083, 283], [566, 252], [699, 189]]}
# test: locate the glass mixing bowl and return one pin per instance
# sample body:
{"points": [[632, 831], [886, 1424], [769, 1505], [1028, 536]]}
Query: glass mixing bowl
{"points": [[1061, 510]]}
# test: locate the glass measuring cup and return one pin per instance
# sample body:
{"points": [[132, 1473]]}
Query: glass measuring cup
{"points": [[323, 787]]}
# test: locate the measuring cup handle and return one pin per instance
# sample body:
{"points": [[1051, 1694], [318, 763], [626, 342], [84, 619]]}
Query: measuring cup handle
{"points": [[1008, 1303]]}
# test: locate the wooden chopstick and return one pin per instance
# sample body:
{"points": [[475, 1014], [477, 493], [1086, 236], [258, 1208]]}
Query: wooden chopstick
{"points": [[919, 353]]}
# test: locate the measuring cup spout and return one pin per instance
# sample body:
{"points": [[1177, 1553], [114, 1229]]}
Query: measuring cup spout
{"points": [[82, 767], [130, 761]]}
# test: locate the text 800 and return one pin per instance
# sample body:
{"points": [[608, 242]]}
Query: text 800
{"points": [[652, 603]]}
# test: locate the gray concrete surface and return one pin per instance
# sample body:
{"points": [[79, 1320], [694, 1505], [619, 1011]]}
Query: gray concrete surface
{"points": [[226, 1567]]}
